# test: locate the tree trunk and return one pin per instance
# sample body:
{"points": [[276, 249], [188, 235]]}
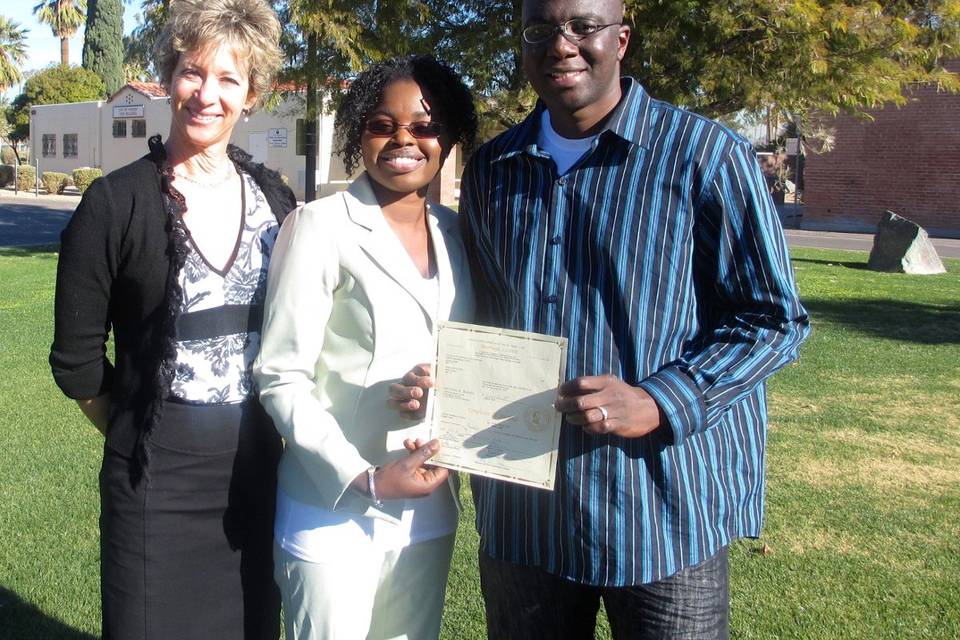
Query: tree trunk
{"points": [[310, 122], [64, 52]]}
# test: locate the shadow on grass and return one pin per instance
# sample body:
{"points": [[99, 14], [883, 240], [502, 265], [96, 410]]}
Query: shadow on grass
{"points": [[833, 263], [891, 319], [22, 620], [30, 250]]}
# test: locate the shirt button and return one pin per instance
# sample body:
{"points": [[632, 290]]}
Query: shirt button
{"points": [[562, 180], [550, 299], [556, 240]]}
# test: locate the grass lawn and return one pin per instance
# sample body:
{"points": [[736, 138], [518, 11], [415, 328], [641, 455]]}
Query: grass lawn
{"points": [[862, 537]]}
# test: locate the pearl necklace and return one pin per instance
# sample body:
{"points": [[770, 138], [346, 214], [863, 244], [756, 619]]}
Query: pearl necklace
{"points": [[213, 183]]}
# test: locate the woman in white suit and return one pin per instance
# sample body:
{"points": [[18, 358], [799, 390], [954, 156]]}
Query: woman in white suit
{"points": [[358, 280]]}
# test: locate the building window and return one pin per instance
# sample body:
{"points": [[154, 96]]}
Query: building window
{"points": [[119, 128], [139, 129], [69, 145], [49, 145]]}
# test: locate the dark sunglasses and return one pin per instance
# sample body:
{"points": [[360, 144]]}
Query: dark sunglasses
{"points": [[387, 128]]}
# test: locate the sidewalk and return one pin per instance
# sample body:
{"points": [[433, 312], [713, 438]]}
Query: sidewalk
{"points": [[27, 203], [791, 215], [946, 247], [70, 196]]}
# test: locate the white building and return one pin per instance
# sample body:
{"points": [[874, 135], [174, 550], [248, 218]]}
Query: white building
{"points": [[109, 134]]}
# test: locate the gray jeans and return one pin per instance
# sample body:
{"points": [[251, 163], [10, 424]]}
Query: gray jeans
{"points": [[526, 602]]}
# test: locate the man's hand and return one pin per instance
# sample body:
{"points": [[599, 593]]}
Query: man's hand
{"points": [[409, 396], [608, 405]]}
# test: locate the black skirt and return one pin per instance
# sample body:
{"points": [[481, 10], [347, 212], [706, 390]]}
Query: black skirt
{"points": [[188, 553]]}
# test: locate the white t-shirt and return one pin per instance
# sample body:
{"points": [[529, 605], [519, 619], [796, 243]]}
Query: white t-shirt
{"points": [[564, 151], [317, 534]]}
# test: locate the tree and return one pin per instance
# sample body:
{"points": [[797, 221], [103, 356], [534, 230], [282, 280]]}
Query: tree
{"points": [[716, 57], [327, 41], [722, 56], [319, 24], [53, 85], [13, 52], [133, 72], [102, 42], [481, 40], [138, 46], [5, 129], [801, 56], [64, 17]]}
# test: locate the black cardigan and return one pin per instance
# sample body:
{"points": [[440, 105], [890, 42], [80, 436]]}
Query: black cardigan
{"points": [[119, 265]]}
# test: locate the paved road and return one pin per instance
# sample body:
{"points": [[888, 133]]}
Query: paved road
{"points": [[946, 248], [27, 219]]}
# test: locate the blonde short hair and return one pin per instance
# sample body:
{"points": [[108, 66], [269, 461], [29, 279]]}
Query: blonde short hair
{"points": [[250, 27]]}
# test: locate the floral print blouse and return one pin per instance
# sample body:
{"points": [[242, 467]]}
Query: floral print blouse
{"points": [[218, 330]]}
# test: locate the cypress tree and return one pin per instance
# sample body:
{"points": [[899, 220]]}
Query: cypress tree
{"points": [[103, 42]]}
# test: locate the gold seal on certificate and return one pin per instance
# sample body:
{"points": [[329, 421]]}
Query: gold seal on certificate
{"points": [[492, 402]]}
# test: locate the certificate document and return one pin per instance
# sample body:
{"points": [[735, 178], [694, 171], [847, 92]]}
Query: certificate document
{"points": [[492, 402]]}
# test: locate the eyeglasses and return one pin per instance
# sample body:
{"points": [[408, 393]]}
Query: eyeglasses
{"points": [[387, 128], [573, 30]]}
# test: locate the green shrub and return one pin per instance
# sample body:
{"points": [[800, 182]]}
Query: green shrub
{"points": [[26, 177], [83, 176], [7, 156], [53, 181], [6, 175]]}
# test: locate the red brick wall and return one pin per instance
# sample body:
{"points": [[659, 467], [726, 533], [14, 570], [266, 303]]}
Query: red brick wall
{"points": [[443, 187], [906, 160]]}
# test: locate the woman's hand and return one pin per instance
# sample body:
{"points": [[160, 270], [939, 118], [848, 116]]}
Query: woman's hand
{"points": [[97, 411], [408, 477], [409, 396]]}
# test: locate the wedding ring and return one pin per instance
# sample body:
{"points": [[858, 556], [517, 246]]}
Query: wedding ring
{"points": [[603, 413]]}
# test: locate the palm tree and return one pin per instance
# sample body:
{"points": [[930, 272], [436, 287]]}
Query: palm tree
{"points": [[64, 18], [13, 52]]}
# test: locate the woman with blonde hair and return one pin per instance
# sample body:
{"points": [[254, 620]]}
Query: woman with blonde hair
{"points": [[170, 253]]}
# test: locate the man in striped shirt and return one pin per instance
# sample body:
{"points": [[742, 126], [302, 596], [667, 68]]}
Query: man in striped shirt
{"points": [[645, 235]]}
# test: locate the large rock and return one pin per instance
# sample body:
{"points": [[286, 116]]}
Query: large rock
{"points": [[903, 246]]}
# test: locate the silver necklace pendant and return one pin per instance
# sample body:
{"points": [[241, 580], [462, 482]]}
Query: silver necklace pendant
{"points": [[213, 183]]}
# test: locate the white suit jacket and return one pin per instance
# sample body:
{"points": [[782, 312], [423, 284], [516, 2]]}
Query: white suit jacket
{"points": [[345, 317]]}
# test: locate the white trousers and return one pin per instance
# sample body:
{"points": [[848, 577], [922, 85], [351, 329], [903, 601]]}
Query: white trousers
{"points": [[394, 594]]}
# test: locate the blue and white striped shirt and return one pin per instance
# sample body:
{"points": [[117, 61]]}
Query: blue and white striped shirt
{"points": [[660, 257]]}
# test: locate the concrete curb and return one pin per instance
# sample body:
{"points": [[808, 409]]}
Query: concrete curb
{"points": [[8, 193]]}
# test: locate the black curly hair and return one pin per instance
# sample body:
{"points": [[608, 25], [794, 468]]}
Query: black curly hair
{"points": [[450, 100]]}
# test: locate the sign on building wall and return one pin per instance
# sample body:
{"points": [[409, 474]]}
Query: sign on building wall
{"points": [[128, 111], [277, 137]]}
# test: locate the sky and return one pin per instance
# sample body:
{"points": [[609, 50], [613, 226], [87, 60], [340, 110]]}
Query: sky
{"points": [[43, 48]]}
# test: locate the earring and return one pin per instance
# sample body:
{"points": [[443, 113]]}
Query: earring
{"points": [[246, 115]]}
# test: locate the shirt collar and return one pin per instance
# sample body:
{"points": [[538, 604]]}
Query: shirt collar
{"points": [[630, 120]]}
